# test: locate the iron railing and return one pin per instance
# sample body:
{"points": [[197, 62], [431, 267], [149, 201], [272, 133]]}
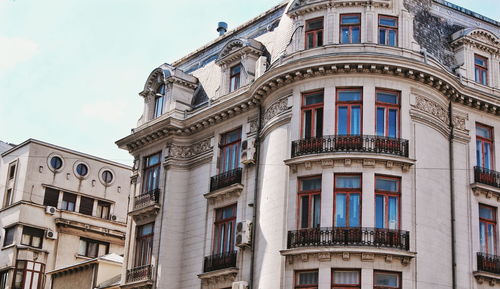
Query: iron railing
{"points": [[352, 143], [488, 263], [342, 236], [487, 177], [147, 199], [225, 179], [219, 261], [141, 273]]}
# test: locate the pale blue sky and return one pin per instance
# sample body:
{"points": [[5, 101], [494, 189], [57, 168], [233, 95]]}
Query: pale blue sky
{"points": [[70, 70]]}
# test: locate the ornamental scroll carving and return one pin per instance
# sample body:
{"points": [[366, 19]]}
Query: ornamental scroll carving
{"points": [[275, 109], [190, 151], [440, 112]]}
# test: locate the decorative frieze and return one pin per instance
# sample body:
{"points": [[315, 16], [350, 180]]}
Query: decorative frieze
{"points": [[187, 152], [275, 109]]}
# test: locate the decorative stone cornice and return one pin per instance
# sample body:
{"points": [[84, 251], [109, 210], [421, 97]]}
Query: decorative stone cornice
{"points": [[61, 222], [478, 38], [231, 192], [235, 49], [218, 279], [301, 7], [275, 109], [485, 277], [189, 154], [488, 191]]}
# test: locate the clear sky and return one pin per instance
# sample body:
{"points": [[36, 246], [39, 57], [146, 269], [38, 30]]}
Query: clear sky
{"points": [[71, 70]]}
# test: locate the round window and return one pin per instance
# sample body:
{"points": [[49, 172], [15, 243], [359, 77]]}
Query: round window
{"points": [[82, 170], [56, 162], [107, 177]]}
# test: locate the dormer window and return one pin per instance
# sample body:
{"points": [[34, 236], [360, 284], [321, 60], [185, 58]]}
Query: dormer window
{"points": [[234, 77], [388, 30], [481, 69], [159, 100], [314, 33], [350, 28]]}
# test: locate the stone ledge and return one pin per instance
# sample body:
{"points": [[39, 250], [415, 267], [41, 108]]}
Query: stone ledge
{"points": [[221, 277], [232, 191], [488, 191], [144, 284], [491, 278]]}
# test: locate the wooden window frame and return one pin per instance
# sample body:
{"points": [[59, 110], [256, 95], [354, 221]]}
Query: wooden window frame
{"points": [[348, 192], [149, 170], [142, 258], [490, 222], [4, 277], [228, 246], [387, 272], [478, 77], [305, 286], [388, 107], [41, 275], [100, 214], [387, 29], [311, 194], [6, 230], [349, 105], [65, 202], [236, 76], [314, 33], [386, 195], [346, 286], [483, 141], [223, 146], [32, 232], [350, 26], [88, 241], [314, 111]]}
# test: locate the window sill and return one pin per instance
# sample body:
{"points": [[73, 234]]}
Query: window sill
{"points": [[78, 256], [8, 246]]}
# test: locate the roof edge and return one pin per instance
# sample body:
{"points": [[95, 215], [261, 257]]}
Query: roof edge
{"points": [[467, 12]]}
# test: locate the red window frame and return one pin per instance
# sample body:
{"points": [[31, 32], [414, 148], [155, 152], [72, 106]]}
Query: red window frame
{"points": [[349, 105], [350, 26], [232, 146], [480, 69], [149, 171], [304, 286], [398, 274], [387, 29], [317, 33], [387, 107], [224, 245], [491, 251], [386, 195], [484, 141], [25, 269], [143, 246], [346, 286], [347, 192], [234, 77], [311, 194], [314, 109]]}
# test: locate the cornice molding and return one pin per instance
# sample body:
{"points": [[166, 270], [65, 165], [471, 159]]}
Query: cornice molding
{"points": [[479, 38], [302, 7], [188, 155]]}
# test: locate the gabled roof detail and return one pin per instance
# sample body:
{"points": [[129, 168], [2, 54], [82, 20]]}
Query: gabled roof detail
{"points": [[168, 73], [235, 48], [478, 37]]}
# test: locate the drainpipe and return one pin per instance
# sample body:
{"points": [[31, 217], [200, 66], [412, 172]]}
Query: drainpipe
{"points": [[452, 197], [255, 196], [163, 197]]}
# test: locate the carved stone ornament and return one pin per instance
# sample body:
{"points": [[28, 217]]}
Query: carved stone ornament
{"points": [[432, 108], [275, 109], [190, 151]]}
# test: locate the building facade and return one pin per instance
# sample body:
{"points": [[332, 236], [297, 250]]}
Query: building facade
{"points": [[323, 144], [58, 207]]}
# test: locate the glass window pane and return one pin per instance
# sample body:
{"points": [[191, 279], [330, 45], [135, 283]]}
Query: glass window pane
{"points": [[491, 239], [386, 21], [346, 278], [393, 123], [393, 213], [479, 153], [386, 97], [381, 36], [307, 123], [35, 280], [384, 184], [310, 40], [315, 24], [392, 38], [354, 210], [348, 182], [349, 95], [304, 212], [319, 38], [235, 69], [82, 248], [479, 61], [317, 211], [356, 120], [386, 279], [350, 19], [486, 213], [27, 280], [319, 122], [482, 236], [36, 241], [379, 212], [26, 239], [345, 35], [342, 120], [380, 121], [308, 278], [311, 184], [487, 155], [313, 98], [356, 37], [340, 213]]}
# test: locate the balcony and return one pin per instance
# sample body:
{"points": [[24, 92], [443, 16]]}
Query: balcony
{"points": [[349, 144], [146, 204], [140, 274], [488, 263], [219, 261], [225, 179], [487, 177], [342, 237]]}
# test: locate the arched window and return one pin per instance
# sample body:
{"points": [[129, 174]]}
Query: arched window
{"points": [[159, 100]]}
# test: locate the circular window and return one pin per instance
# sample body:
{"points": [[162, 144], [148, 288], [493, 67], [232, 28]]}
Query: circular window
{"points": [[56, 162], [82, 169], [107, 177]]}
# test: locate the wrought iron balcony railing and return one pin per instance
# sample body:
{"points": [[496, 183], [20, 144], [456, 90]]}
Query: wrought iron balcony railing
{"points": [[141, 273], [487, 177], [219, 261], [225, 179], [488, 263], [351, 143], [147, 199], [342, 236]]}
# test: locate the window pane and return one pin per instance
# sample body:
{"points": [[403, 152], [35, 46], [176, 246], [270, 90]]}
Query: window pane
{"points": [[342, 120], [82, 248], [348, 182], [9, 236], [235, 69], [391, 98], [92, 249], [311, 184], [381, 36], [346, 278], [479, 153], [315, 24], [483, 132], [386, 279], [349, 19], [345, 35], [487, 155], [304, 204], [313, 98], [380, 121], [319, 39], [310, 40], [383, 184], [25, 240], [385, 21], [486, 213], [319, 122], [349, 95], [393, 213], [356, 37], [379, 212], [308, 278], [36, 242], [482, 236], [27, 279], [393, 122], [317, 211], [340, 213], [51, 197], [307, 123], [392, 38], [356, 120], [491, 239], [480, 61], [86, 205], [354, 209]]}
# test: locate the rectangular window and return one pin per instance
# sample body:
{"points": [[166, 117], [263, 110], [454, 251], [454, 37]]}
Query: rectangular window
{"points": [[152, 166], [8, 198], [144, 244], [481, 69], [68, 202], [29, 275], [51, 197], [349, 111], [12, 171], [388, 30], [225, 223], [230, 150], [4, 275], [387, 117], [309, 202], [350, 28], [488, 229], [314, 33], [9, 236], [386, 280], [92, 248], [344, 279], [86, 206], [103, 209], [387, 199], [234, 77], [484, 146], [159, 100], [312, 114], [306, 280], [347, 201], [32, 237]]}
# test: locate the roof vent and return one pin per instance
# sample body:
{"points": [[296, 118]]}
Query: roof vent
{"points": [[222, 28]]}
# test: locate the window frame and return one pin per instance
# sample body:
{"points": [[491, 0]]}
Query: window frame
{"points": [[304, 286], [313, 108], [387, 29], [348, 192], [483, 141], [488, 222], [143, 250], [159, 100], [387, 108], [32, 232], [350, 26], [346, 286], [386, 195], [480, 69], [103, 204], [65, 202], [223, 146], [349, 105], [85, 209], [314, 33], [12, 170], [227, 246], [236, 77], [98, 243], [398, 274], [50, 201], [24, 269], [148, 171], [9, 197], [311, 194], [4, 277], [6, 230]]}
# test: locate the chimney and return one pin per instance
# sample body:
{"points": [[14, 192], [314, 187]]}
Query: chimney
{"points": [[222, 28]]}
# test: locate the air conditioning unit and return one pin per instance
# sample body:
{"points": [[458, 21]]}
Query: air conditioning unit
{"points": [[113, 217], [244, 234], [50, 210], [240, 285], [247, 152], [49, 234]]}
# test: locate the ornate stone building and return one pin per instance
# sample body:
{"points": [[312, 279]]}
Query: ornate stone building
{"points": [[322, 144]]}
